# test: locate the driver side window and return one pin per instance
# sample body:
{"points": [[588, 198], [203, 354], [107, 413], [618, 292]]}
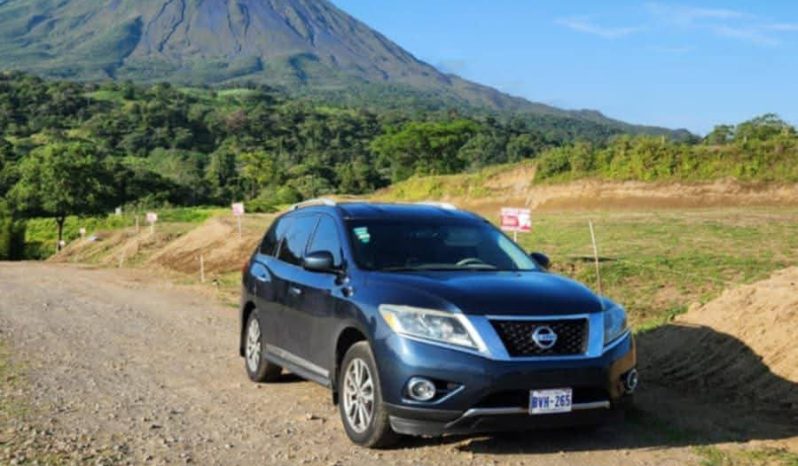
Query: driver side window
{"points": [[326, 239]]}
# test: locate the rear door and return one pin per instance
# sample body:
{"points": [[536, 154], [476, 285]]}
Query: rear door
{"points": [[268, 288], [293, 331]]}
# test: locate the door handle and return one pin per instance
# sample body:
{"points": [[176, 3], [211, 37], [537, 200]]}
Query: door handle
{"points": [[295, 291]]}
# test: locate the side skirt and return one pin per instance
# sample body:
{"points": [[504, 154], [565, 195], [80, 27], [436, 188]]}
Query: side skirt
{"points": [[299, 366]]}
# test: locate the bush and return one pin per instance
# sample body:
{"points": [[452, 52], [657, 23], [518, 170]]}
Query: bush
{"points": [[12, 235]]}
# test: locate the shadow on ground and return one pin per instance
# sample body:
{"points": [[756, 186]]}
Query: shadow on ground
{"points": [[699, 388]]}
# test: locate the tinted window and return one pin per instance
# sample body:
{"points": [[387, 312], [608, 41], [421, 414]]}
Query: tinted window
{"points": [[269, 243], [273, 237], [407, 246], [326, 239], [292, 248]]}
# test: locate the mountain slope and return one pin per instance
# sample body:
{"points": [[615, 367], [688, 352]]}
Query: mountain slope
{"points": [[294, 44]]}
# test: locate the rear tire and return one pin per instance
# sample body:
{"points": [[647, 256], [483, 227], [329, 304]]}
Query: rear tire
{"points": [[362, 409], [259, 369]]}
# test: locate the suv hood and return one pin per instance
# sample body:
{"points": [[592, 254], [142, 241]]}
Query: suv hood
{"points": [[498, 293]]}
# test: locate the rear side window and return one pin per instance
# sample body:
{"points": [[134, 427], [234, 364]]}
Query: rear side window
{"points": [[273, 237], [292, 247], [326, 239]]}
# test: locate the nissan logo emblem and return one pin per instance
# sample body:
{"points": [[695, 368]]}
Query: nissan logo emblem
{"points": [[544, 337]]}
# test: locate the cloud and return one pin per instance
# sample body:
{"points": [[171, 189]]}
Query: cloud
{"points": [[677, 50], [721, 22], [583, 24], [781, 27], [686, 15], [748, 34]]}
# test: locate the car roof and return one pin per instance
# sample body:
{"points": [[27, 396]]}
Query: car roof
{"points": [[393, 211]]}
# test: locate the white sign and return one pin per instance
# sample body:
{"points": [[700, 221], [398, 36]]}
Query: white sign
{"points": [[152, 217], [513, 219], [238, 209], [82, 232]]}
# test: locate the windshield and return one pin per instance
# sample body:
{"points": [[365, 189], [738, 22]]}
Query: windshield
{"points": [[388, 245]]}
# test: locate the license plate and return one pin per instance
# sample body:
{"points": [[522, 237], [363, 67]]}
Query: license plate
{"points": [[556, 400]]}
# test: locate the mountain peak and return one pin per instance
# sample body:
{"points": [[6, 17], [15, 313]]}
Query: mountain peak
{"points": [[206, 41], [298, 45]]}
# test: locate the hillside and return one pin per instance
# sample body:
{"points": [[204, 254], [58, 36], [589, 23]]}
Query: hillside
{"points": [[307, 47]]}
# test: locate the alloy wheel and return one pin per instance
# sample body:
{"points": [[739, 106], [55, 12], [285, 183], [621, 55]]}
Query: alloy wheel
{"points": [[253, 345], [358, 395]]}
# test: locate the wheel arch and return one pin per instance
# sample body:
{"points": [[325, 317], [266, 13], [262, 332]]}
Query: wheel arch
{"points": [[347, 337], [246, 311]]}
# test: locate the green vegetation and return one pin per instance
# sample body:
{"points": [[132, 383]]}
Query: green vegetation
{"points": [[659, 262], [12, 234], [762, 149], [81, 149], [714, 456], [62, 179]]}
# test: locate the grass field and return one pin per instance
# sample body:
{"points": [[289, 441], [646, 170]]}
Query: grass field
{"points": [[658, 262]]}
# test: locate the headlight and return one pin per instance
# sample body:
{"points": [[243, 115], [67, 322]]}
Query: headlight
{"points": [[433, 325], [614, 323]]}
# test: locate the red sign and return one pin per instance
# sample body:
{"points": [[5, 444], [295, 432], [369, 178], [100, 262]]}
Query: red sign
{"points": [[238, 209], [513, 219]]}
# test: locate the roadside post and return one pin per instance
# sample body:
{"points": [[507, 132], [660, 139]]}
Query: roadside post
{"points": [[238, 212], [152, 218], [595, 256], [82, 232], [515, 220], [202, 268]]}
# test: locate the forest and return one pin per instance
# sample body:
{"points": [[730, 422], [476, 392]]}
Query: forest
{"points": [[76, 148]]}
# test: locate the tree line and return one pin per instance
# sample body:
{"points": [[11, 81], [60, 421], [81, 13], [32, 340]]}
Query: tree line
{"points": [[69, 148], [764, 148], [83, 148]]}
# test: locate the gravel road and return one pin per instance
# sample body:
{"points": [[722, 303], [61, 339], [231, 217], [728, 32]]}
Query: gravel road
{"points": [[127, 362]]}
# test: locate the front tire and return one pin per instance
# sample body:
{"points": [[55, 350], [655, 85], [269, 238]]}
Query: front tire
{"points": [[362, 410], [259, 369]]}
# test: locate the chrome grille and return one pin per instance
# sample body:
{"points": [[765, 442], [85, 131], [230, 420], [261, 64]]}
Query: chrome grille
{"points": [[517, 336]]}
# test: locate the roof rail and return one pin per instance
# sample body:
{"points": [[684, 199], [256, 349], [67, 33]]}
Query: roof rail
{"points": [[312, 202], [442, 205]]}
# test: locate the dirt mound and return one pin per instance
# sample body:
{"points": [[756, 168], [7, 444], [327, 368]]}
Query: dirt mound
{"points": [[741, 344], [173, 246], [514, 185], [118, 247], [216, 240]]}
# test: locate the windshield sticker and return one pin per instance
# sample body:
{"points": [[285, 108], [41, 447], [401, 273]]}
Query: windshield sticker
{"points": [[362, 234]]}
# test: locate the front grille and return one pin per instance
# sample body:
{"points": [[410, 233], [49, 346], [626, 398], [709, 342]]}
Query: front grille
{"points": [[517, 337]]}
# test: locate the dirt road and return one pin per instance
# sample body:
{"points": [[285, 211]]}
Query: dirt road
{"points": [[130, 363]]}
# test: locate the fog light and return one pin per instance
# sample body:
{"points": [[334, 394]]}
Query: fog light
{"points": [[630, 381], [421, 389]]}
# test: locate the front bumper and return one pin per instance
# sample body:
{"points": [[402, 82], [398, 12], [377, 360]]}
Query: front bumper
{"points": [[492, 395]]}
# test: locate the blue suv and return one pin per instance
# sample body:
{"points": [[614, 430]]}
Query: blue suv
{"points": [[427, 320]]}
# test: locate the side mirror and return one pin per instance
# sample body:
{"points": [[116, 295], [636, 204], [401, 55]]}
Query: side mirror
{"points": [[319, 261], [542, 259]]}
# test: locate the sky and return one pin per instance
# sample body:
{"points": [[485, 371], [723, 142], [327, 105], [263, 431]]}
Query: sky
{"points": [[675, 64]]}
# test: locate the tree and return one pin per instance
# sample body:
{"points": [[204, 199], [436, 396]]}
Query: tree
{"points": [[62, 179], [6, 167], [12, 234], [424, 148]]}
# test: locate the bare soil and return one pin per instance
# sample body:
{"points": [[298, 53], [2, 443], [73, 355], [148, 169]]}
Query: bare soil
{"points": [[741, 344], [126, 362]]}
